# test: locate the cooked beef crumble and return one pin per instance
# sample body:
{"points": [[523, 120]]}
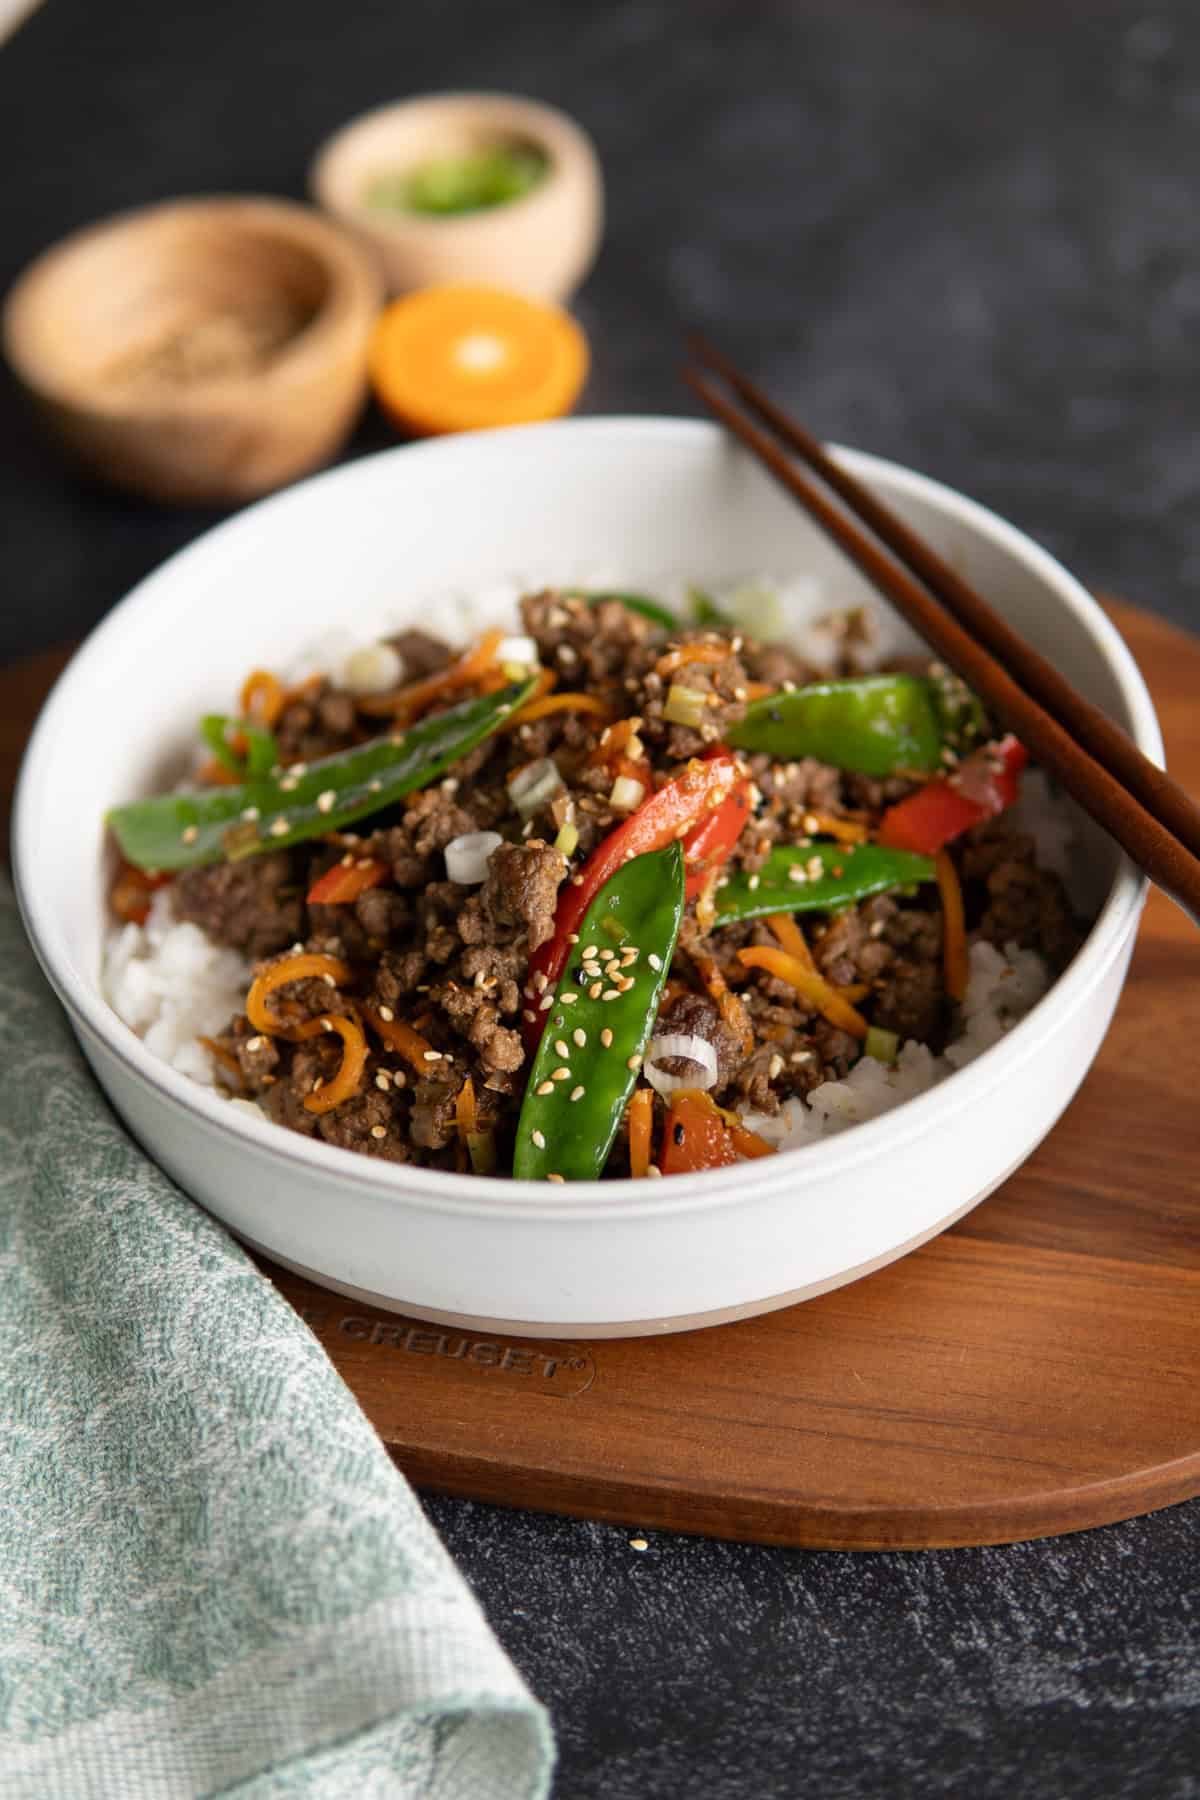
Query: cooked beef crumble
{"points": [[451, 961]]}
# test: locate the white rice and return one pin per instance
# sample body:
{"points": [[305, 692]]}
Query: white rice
{"points": [[171, 985]]}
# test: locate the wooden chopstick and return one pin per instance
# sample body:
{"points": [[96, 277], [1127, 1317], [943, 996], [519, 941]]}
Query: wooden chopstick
{"points": [[1087, 724], [1165, 856]]}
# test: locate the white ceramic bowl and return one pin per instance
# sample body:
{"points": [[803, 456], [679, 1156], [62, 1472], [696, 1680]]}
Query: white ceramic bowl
{"points": [[391, 538]]}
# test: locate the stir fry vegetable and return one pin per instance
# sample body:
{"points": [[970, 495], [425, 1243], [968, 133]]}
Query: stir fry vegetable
{"points": [[986, 784], [599, 1021], [818, 878], [871, 725], [662, 818], [243, 748], [700, 1134], [181, 831]]}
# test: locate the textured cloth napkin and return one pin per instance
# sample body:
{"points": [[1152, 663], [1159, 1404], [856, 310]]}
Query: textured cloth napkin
{"points": [[212, 1579]]}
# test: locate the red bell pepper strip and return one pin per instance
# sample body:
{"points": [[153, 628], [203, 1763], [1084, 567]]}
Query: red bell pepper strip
{"points": [[709, 843], [986, 784], [342, 883], [699, 1134], [668, 814]]}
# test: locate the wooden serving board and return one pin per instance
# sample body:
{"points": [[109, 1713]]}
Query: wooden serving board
{"points": [[1031, 1371]]}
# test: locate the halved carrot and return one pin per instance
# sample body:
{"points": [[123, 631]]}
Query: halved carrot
{"points": [[462, 358]]}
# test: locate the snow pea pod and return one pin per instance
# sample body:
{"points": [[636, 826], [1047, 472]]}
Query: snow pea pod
{"points": [[638, 603], [181, 831], [870, 725], [600, 1020], [818, 878]]}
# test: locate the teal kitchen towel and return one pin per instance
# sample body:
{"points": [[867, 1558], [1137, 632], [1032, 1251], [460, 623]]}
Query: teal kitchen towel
{"points": [[212, 1578]]}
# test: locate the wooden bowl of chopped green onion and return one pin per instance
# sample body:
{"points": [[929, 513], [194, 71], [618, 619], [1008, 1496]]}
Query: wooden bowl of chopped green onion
{"points": [[467, 188]]}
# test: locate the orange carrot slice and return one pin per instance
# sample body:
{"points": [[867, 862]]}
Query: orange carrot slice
{"points": [[828, 1000], [641, 1121], [348, 1080]]}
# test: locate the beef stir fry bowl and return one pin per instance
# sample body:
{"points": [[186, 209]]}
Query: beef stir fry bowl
{"points": [[445, 536]]}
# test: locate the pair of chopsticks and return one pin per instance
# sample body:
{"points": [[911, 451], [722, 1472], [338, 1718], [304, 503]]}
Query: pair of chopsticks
{"points": [[1147, 813]]}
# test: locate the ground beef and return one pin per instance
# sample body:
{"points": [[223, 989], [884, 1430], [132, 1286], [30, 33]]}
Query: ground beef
{"points": [[909, 997], [255, 906], [522, 886], [1012, 899], [852, 948], [421, 653]]}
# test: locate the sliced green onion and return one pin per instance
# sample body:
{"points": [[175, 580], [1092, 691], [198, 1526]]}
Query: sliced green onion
{"points": [[882, 1045], [568, 839], [627, 793], [759, 612], [685, 706], [530, 788], [481, 1147]]}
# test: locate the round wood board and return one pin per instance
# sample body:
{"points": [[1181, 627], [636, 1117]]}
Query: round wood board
{"points": [[1031, 1371]]}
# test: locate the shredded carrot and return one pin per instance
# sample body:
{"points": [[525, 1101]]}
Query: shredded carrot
{"points": [[846, 831], [224, 1056], [298, 967], [758, 690], [465, 1110], [792, 938], [408, 703], [828, 1000], [854, 991], [691, 653], [402, 1038], [641, 1125], [730, 1007], [215, 774], [542, 705], [342, 884], [262, 698], [747, 1142], [348, 1080], [955, 961], [546, 680]]}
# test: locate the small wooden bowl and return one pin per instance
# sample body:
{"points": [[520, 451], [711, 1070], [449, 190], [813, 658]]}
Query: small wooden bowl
{"points": [[197, 351], [542, 244]]}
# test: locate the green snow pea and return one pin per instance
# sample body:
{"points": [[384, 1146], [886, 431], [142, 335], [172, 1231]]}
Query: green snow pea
{"points": [[829, 876], [569, 1120], [870, 725], [181, 831], [638, 603]]}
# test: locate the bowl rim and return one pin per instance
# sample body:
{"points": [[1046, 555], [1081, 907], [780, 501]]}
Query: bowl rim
{"points": [[437, 1190], [344, 317]]}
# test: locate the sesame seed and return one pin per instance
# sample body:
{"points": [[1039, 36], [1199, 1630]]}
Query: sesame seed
{"points": [[386, 1014], [318, 1083], [431, 1056], [633, 1062], [655, 961], [374, 787], [580, 1036], [325, 801], [577, 1093], [254, 1043], [797, 874], [190, 833], [544, 1087], [638, 1543], [752, 883], [875, 930], [569, 999], [572, 937], [811, 822], [538, 1139], [775, 1067], [250, 813], [327, 1025], [348, 860], [329, 981], [299, 768], [546, 1002], [629, 956], [288, 783], [539, 982], [560, 1048], [611, 994], [595, 990], [654, 1170], [379, 1131], [399, 1078], [563, 1074], [528, 1016], [606, 1037], [577, 881], [608, 956], [383, 1081], [279, 827], [625, 982], [553, 1177]]}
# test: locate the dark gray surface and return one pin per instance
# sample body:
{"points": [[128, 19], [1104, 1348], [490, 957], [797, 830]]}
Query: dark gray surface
{"points": [[964, 236]]}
